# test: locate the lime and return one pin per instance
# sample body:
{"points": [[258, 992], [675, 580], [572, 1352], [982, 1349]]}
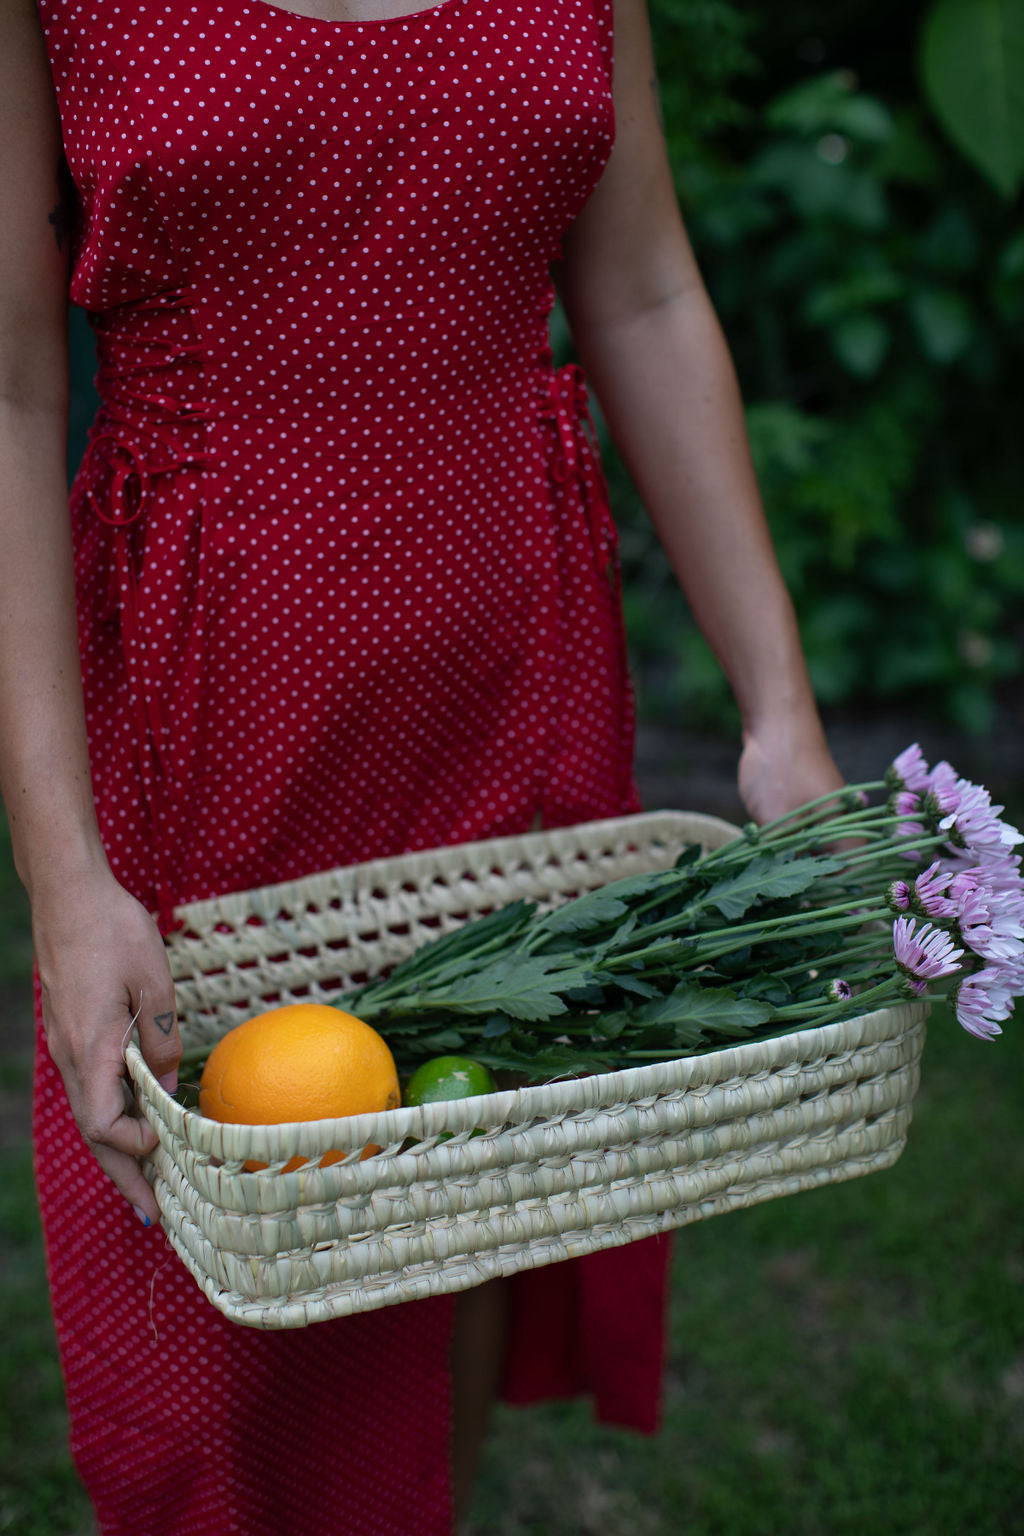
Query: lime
{"points": [[447, 1077]]}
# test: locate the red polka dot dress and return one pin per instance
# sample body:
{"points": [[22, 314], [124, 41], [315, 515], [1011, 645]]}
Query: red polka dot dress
{"points": [[347, 587]]}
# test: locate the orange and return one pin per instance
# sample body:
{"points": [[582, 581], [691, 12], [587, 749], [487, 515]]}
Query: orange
{"points": [[304, 1062]]}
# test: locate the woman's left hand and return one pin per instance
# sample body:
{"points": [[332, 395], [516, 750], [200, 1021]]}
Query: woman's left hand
{"points": [[784, 763]]}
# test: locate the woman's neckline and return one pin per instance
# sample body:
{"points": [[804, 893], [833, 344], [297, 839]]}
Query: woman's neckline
{"points": [[402, 19]]}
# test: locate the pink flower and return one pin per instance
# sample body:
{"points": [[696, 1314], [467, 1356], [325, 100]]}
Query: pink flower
{"points": [[905, 803], [910, 769], [928, 953], [839, 991], [992, 924], [998, 870], [963, 882], [930, 892], [1002, 871], [982, 1001], [976, 824], [943, 793], [1012, 974], [898, 895]]}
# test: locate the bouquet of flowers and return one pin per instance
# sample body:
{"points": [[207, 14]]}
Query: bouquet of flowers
{"points": [[845, 905]]}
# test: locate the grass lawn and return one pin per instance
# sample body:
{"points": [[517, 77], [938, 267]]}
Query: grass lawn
{"points": [[842, 1362]]}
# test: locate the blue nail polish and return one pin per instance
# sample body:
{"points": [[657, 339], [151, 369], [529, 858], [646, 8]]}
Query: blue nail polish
{"points": [[140, 1213]]}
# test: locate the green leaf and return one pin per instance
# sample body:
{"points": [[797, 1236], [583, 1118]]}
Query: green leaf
{"points": [[860, 342], [1011, 257], [951, 243], [502, 925], [620, 935], [858, 291], [634, 985], [604, 905], [767, 988], [444, 1040], [591, 996], [610, 1025], [696, 1013], [784, 441], [910, 155], [691, 854], [972, 62], [819, 190], [944, 322], [556, 1061], [768, 879], [524, 987], [829, 104]]}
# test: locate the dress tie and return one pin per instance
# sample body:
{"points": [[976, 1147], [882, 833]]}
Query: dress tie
{"points": [[579, 455], [142, 433]]}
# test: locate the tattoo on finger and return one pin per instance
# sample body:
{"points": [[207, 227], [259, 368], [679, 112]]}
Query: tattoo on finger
{"points": [[164, 1022]]}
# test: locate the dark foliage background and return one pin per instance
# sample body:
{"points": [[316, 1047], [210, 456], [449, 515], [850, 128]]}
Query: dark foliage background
{"points": [[870, 279]]}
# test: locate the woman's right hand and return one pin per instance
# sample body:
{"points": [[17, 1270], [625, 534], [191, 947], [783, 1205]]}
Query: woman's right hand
{"points": [[101, 959], [102, 964]]}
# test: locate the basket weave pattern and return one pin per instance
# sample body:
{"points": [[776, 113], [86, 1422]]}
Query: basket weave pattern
{"points": [[559, 1170]]}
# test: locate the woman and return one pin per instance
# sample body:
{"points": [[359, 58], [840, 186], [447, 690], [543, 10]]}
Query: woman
{"points": [[345, 585]]}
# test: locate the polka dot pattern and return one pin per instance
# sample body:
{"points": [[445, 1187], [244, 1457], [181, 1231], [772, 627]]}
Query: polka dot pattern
{"points": [[347, 586], [184, 1424], [336, 600]]}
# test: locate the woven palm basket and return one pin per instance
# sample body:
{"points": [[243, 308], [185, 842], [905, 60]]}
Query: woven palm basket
{"points": [[558, 1171]]}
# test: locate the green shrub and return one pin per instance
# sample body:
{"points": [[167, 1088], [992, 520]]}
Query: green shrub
{"points": [[871, 284]]}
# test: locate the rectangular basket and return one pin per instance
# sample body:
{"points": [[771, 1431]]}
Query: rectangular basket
{"points": [[559, 1170]]}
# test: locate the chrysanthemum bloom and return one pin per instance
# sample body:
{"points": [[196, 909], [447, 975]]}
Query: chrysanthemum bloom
{"points": [[964, 881], [992, 924], [976, 824], [942, 797], [930, 892], [898, 895], [927, 953], [910, 769], [981, 1001], [1000, 869], [905, 803]]}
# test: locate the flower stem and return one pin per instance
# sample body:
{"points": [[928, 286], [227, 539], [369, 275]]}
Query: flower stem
{"points": [[835, 794]]}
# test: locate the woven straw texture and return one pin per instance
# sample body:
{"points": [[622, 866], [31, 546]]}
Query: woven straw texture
{"points": [[559, 1170]]}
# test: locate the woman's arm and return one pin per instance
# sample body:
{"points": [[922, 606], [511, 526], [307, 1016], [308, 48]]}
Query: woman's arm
{"points": [[99, 954], [652, 346]]}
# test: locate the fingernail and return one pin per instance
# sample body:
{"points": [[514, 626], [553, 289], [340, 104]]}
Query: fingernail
{"points": [[169, 1083], [140, 1213]]}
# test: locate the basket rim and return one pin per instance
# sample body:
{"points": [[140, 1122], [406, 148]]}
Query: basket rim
{"points": [[528, 846], [709, 1069]]}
